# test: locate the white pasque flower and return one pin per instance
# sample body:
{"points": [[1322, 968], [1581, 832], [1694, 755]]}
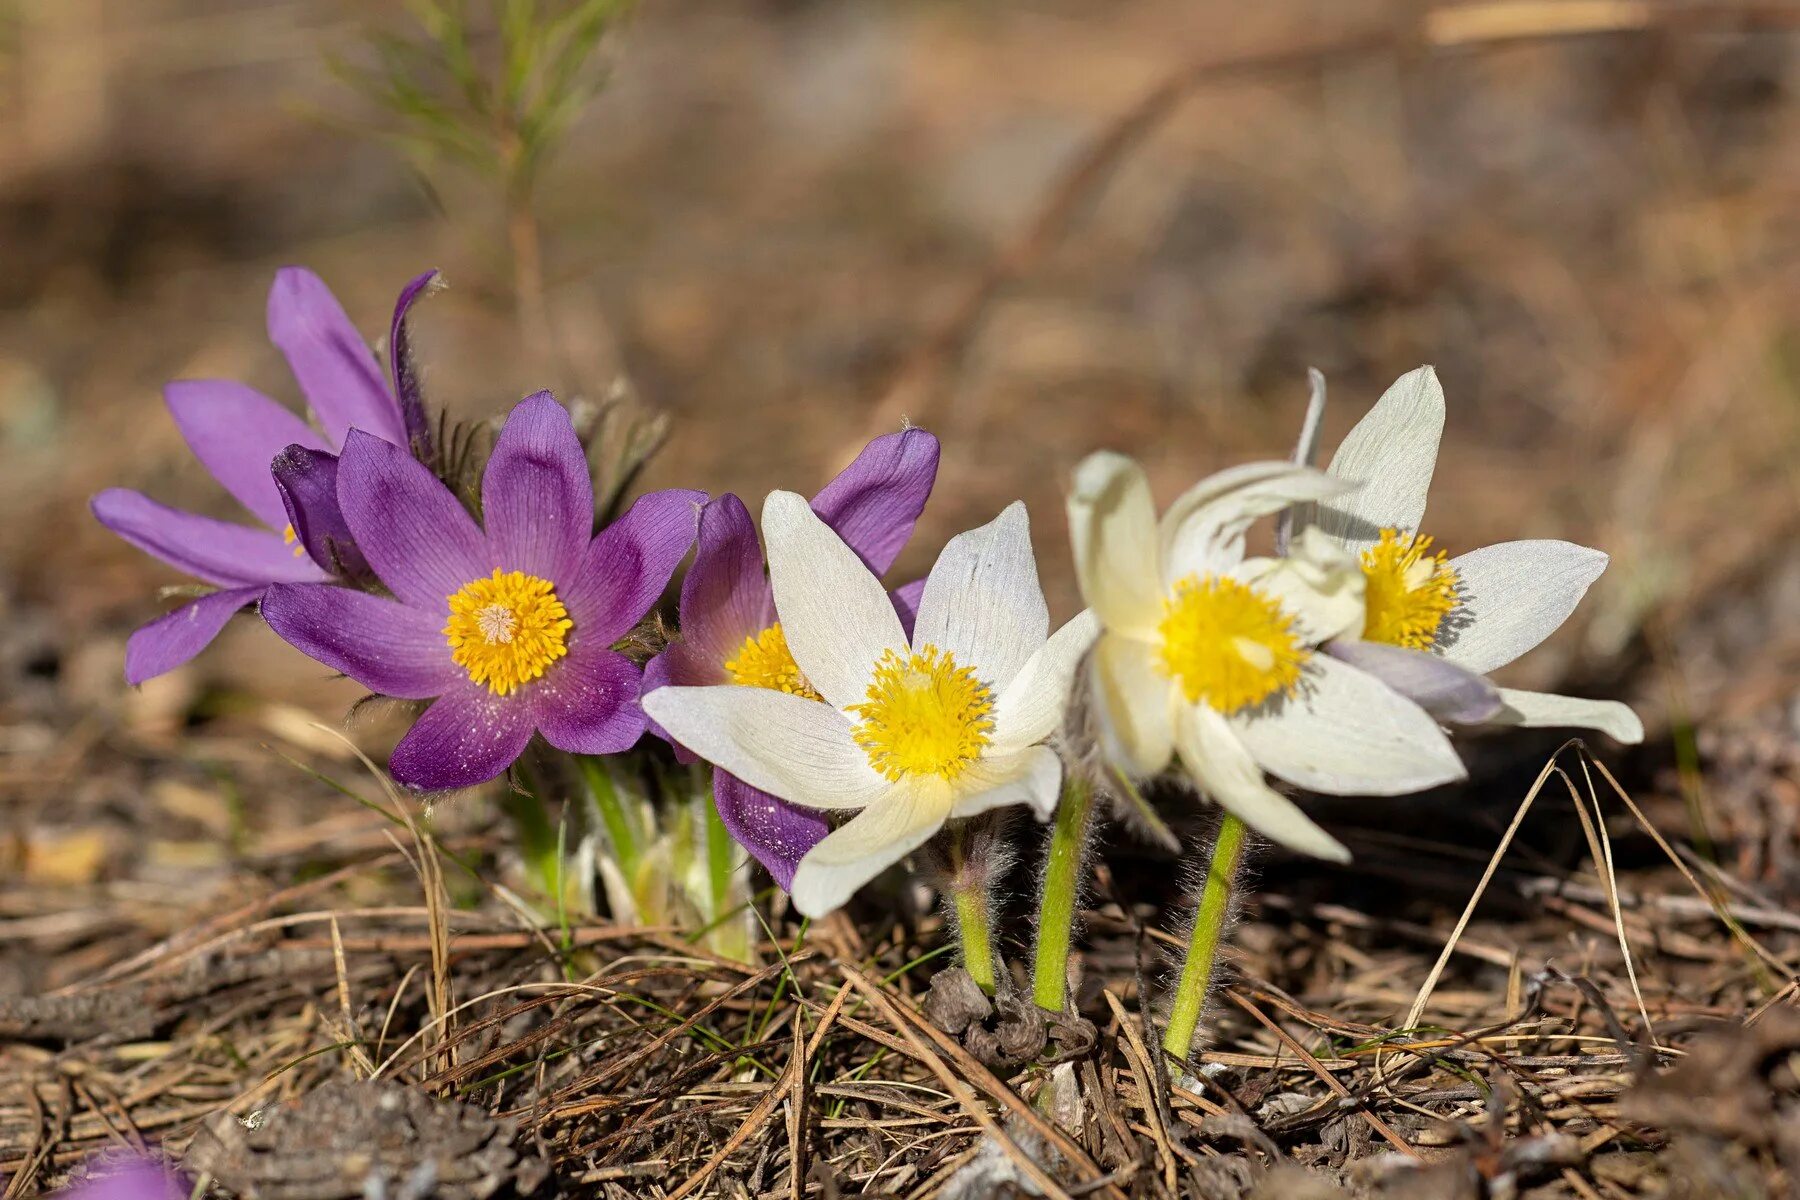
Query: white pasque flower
{"points": [[912, 734], [1435, 625], [1211, 654]]}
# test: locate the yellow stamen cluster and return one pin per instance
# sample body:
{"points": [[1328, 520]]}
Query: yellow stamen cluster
{"points": [[765, 661], [924, 716], [1229, 646], [1408, 591], [290, 538], [506, 630]]}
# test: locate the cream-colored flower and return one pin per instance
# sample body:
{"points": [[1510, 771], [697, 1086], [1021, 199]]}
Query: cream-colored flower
{"points": [[1213, 655], [911, 733], [1435, 625]]}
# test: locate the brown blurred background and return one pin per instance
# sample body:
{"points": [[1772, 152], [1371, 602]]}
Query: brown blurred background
{"points": [[772, 219]]}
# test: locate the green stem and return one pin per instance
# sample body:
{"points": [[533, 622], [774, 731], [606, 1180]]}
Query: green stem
{"points": [[618, 824], [1203, 944], [1056, 908], [972, 922]]}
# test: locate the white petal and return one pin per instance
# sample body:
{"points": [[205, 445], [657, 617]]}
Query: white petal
{"points": [[1392, 453], [1515, 594], [1540, 709], [1319, 584], [1112, 530], [836, 615], [1223, 769], [1033, 777], [1203, 531], [1349, 734], [1032, 706], [788, 746], [1134, 705], [1306, 449], [982, 603], [871, 842]]}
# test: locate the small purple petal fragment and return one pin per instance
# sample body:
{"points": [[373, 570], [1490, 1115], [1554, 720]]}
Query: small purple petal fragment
{"points": [[235, 431], [725, 597], [674, 667], [1443, 689], [219, 552], [307, 481], [588, 702], [874, 502], [536, 495], [403, 372], [135, 1178], [386, 646], [777, 834], [335, 368], [468, 736], [627, 566], [906, 603], [174, 638], [414, 534]]}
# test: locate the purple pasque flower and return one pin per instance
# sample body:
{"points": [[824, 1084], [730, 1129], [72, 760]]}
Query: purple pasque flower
{"points": [[238, 433], [508, 629], [729, 633], [129, 1177]]}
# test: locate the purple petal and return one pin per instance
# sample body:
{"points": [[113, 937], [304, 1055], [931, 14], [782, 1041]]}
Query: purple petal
{"points": [[628, 565], [216, 551], [467, 737], [335, 368], [136, 1178], [725, 597], [404, 372], [418, 539], [307, 481], [235, 431], [536, 496], [588, 702], [777, 834], [384, 645], [174, 638], [662, 671], [874, 503], [1443, 689], [906, 603]]}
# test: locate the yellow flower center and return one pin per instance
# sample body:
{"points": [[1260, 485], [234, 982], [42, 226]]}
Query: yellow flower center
{"points": [[1407, 590], [290, 538], [1229, 646], [765, 661], [507, 629], [924, 716]]}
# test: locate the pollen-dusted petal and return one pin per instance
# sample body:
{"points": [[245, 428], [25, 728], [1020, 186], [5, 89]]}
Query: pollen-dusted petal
{"points": [[236, 431], [1032, 777], [390, 648], [177, 636], [1514, 595], [336, 369], [775, 832], [1135, 702], [219, 552], [982, 603], [588, 702], [467, 736], [1391, 453], [1112, 531], [871, 842], [1224, 771], [1032, 706], [416, 536], [1544, 709], [1437, 685], [797, 749], [874, 502], [628, 565], [1348, 734], [307, 481], [537, 499], [1203, 531], [836, 615]]}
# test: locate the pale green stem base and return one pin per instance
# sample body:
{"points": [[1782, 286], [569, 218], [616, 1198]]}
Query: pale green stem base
{"points": [[1056, 907], [973, 922], [1203, 944]]}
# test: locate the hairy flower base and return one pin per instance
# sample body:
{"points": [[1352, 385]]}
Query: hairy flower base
{"points": [[924, 716], [1229, 646], [505, 630], [1408, 592], [765, 661]]}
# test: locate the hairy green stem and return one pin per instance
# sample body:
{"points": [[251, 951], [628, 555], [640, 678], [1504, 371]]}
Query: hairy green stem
{"points": [[1203, 943], [970, 896], [1062, 885]]}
